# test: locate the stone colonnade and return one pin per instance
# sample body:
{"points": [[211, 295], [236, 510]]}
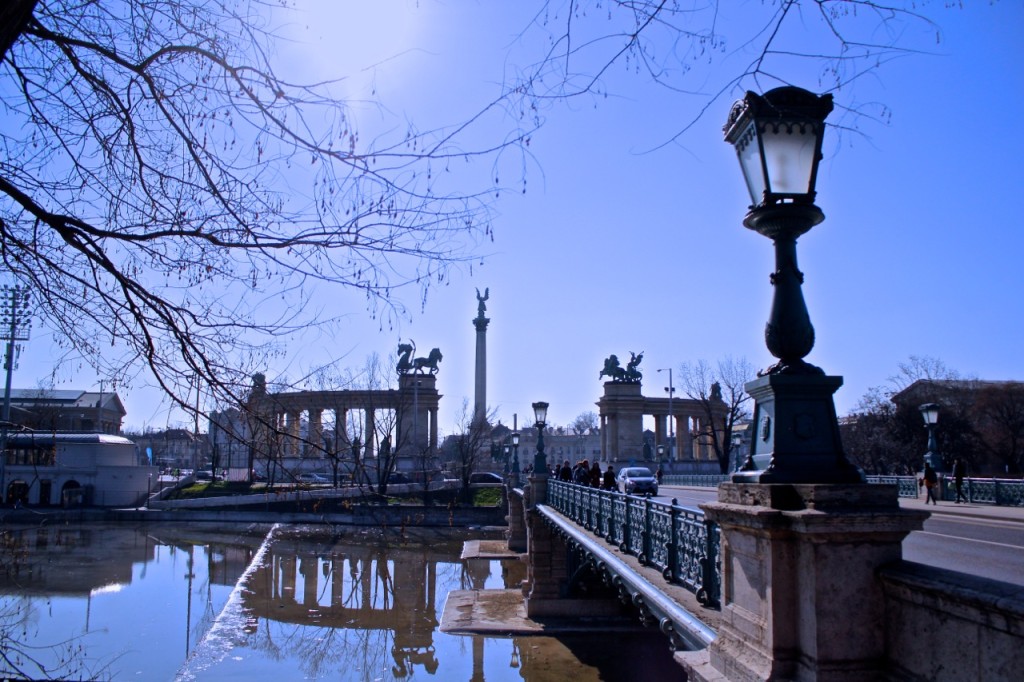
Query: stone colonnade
{"points": [[623, 407], [290, 425]]}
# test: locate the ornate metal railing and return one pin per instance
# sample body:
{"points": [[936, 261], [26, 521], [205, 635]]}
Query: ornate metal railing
{"points": [[907, 485], [677, 541], [996, 491], [695, 480]]}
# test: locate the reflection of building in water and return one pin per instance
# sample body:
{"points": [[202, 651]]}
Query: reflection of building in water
{"points": [[70, 560], [390, 589]]}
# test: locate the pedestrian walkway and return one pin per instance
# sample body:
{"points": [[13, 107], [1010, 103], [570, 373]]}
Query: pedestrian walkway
{"points": [[965, 509]]}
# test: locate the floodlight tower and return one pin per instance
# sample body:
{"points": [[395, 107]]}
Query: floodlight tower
{"points": [[15, 327]]}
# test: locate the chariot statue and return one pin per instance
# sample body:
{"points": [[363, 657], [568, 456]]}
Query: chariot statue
{"points": [[615, 371]]}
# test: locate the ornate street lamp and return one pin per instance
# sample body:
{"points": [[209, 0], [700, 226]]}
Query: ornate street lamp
{"points": [[508, 457], [661, 454], [778, 139], [930, 413], [515, 458], [540, 461]]}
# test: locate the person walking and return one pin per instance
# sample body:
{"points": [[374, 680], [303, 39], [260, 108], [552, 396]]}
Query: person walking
{"points": [[609, 480], [959, 471], [931, 484]]}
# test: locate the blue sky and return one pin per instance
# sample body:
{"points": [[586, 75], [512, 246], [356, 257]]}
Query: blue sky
{"points": [[623, 243]]}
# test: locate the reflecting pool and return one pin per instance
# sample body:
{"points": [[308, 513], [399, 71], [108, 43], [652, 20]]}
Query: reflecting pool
{"points": [[162, 602]]}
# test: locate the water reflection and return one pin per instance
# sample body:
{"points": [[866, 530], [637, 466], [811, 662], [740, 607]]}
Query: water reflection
{"points": [[165, 602]]}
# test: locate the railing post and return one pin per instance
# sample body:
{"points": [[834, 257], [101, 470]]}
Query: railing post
{"points": [[611, 518], [710, 590], [645, 539], [672, 550], [626, 534]]}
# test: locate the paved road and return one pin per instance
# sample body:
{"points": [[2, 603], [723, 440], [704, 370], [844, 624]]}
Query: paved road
{"points": [[982, 540]]}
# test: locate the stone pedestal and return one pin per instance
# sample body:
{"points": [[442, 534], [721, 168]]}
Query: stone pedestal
{"points": [[801, 599]]}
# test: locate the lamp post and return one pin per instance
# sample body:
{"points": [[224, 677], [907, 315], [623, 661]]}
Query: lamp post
{"points": [[930, 413], [540, 461], [515, 458], [670, 389], [508, 458], [777, 137], [737, 441]]}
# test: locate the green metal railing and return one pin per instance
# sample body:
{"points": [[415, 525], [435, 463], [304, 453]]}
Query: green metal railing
{"points": [[677, 541], [1003, 492]]}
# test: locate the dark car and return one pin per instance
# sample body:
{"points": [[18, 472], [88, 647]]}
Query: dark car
{"points": [[637, 480], [485, 479]]}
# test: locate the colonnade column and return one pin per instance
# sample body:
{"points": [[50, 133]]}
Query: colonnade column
{"points": [[683, 436], [369, 433], [314, 448]]}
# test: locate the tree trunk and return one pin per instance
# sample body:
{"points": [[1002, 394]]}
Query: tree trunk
{"points": [[14, 15]]}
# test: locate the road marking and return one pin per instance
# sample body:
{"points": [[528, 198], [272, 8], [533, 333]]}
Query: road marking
{"points": [[966, 539]]}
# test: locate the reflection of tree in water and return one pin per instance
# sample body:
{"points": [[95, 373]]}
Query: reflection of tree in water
{"points": [[366, 609], [21, 653]]}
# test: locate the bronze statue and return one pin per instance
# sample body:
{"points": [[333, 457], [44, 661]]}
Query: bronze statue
{"points": [[405, 351], [629, 375], [633, 375], [421, 365], [612, 369], [481, 305]]}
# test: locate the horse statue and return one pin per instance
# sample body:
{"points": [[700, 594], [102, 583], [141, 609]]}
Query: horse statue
{"points": [[405, 351], [612, 369], [420, 365], [633, 375]]}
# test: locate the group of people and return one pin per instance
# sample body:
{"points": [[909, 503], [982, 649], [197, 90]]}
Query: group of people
{"points": [[585, 473], [930, 480]]}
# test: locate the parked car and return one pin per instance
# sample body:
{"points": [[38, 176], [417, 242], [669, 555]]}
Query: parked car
{"points": [[312, 479], [485, 479], [202, 475], [637, 480]]}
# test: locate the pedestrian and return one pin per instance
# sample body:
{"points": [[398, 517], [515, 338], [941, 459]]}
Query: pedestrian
{"points": [[658, 475], [931, 484], [595, 475], [609, 480], [565, 473], [581, 475], [959, 470]]}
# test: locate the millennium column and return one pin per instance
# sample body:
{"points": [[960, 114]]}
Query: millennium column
{"points": [[480, 322]]}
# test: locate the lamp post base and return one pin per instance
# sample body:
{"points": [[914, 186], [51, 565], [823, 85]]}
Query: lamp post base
{"points": [[796, 437]]}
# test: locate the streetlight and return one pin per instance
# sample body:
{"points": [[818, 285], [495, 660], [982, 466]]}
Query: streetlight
{"points": [[508, 458], [15, 327], [737, 441], [540, 461], [778, 139], [670, 389], [930, 413], [515, 458]]}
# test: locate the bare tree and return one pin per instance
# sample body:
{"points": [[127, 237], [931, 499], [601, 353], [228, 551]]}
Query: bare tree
{"points": [[584, 422], [470, 444], [163, 190], [708, 51], [722, 397]]}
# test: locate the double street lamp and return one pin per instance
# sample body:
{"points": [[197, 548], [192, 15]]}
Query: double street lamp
{"points": [[778, 137]]}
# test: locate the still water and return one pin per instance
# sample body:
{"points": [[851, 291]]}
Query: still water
{"points": [[162, 602]]}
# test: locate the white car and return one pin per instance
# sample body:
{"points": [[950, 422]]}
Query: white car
{"points": [[312, 478]]}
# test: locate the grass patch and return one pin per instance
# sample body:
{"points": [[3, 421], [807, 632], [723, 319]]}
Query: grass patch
{"points": [[487, 497], [202, 489]]}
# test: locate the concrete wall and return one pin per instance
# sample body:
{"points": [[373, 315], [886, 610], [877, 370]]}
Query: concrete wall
{"points": [[948, 626]]}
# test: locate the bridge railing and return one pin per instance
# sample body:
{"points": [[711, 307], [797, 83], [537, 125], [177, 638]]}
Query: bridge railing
{"points": [[676, 540], [996, 491]]}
